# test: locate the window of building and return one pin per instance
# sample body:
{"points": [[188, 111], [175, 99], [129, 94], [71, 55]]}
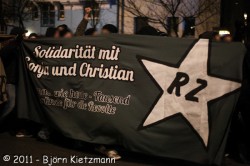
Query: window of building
{"points": [[34, 12], [172, 24], [60, 10], [140, 22], [32, 9], [189, 26], [47, 14], [61, 14]]}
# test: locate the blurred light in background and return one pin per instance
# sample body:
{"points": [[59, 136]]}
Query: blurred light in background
{"points": [[224, 32], [28, 33], [245, 16]]}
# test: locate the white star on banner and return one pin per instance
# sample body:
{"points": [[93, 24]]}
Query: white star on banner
{"points": [[195, 65]]}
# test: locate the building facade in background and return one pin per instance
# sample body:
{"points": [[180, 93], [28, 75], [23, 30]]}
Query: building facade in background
{"points": [[187, 18], [51, 13]]}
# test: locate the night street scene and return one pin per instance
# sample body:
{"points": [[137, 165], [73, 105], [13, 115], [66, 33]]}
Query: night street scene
{"points": [[125, 82]]}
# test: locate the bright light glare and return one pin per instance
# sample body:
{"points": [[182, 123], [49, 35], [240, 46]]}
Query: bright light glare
{"points": [[245, 16], [28, 33], [224, 32]]}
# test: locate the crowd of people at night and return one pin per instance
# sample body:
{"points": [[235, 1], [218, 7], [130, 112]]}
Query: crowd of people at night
{"points": [[24, 128]]}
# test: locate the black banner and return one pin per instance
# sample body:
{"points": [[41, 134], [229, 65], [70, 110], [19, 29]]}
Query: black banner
{"points": [[162, 96]]}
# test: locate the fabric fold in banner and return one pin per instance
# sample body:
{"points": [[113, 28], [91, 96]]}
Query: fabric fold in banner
{"points": [[161, 96]]}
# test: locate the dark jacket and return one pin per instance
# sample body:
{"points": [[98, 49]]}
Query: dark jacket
{"points": [[9, 55], [81, 27]]}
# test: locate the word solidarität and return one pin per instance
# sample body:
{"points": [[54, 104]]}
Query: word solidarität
{"points": [[78, 52]]}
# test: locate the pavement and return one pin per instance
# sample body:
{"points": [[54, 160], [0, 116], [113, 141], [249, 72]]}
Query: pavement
{"points": [[32, 150]]}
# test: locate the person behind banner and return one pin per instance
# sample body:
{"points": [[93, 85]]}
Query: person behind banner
{"points": [[9, 55], [66, 33], [147, 30], [108, 29], [62, 27], [80, 30], [238, 144], [91, 32], [33, 36], [52, 32]]}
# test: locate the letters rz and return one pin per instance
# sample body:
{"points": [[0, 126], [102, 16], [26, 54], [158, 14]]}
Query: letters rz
{"points": [[181, 80]]}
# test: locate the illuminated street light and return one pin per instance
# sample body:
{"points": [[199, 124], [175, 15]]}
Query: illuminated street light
{"points": [[245, 19], [245, 16]]}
